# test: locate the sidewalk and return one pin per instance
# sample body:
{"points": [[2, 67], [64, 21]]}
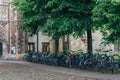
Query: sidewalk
{"points": [[18, 70], [78, 72]]}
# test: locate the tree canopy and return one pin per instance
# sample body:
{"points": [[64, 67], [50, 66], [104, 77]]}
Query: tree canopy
{"points": [[32, 14], [72, 16], [57, 17], [64, 17], [106, 16]]}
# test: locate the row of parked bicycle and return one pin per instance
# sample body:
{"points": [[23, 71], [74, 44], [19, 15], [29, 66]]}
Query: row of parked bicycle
{"points": [[95, 62]]}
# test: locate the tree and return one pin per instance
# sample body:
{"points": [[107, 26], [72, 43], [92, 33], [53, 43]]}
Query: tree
{"points": [[106, 16], [57, 17], [72, 17], [32, 14], [33, 18]]}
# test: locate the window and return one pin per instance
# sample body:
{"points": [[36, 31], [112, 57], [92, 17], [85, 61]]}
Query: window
{"points": [[31, 47], [65, 43], [45, 47], [66, 46]]}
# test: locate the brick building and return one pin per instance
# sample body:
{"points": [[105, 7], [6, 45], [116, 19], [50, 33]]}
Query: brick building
{"points": [[12, 40]]}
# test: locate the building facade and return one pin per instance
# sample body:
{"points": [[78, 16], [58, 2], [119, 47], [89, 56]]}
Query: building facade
{"points": [[12, 40], [46, 43]]}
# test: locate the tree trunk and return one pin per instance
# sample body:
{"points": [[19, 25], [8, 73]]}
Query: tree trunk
{"points": [[26, 42], [56, 46], [37, 42], [89, 42], [65, 43]]}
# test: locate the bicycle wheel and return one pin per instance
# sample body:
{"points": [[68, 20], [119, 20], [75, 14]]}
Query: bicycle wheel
{"points": [[115, 68], [81, 65], [70, 63], [24, 58], [89, 65]]}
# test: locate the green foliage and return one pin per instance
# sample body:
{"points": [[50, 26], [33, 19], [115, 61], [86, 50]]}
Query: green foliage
{"points": [[57, 17], [63, 17], [71, 16], [107, 19], [32, 14]]}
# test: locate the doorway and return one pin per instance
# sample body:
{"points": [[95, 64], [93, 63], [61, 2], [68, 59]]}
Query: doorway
{"points": [[1, 47], [31, 47], [45, 46]]}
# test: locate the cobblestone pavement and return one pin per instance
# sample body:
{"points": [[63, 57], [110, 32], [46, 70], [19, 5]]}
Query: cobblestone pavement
{"points": [[18, 70]]}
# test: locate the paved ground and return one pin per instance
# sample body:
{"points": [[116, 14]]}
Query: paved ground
{"points": [[17, 70]]}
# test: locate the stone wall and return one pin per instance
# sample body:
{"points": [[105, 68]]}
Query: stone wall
{"points": [[74, 44], [42, 38], [12, 37]]}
